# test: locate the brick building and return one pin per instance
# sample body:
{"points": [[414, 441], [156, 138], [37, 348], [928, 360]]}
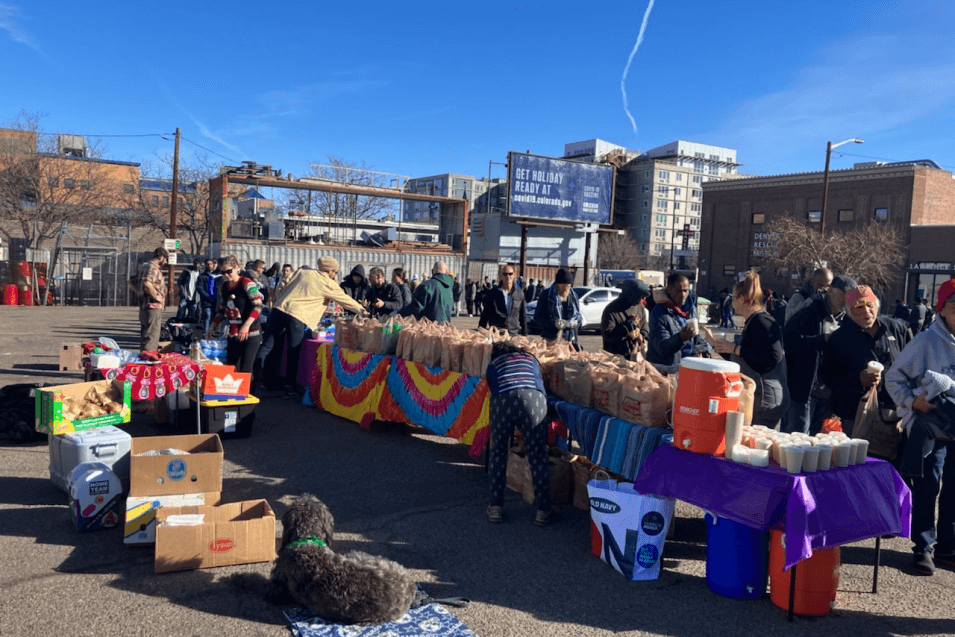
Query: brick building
{"points": [[917, 199]]}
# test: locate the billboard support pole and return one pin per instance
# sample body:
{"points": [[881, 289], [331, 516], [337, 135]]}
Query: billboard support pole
{"points": [[524, 251], [586, 255]]}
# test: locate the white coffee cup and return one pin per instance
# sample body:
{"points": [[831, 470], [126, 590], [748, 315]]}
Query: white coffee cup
{"points": [[730, 337], [842, 454], [741, 454], [861, 449], [875, 366], [825, 456], [759, 457], [810, 459], [794, 456], [693, 324]]}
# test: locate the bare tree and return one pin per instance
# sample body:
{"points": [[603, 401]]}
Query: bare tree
{"points": [[617, 252], [871, 253], [341, 171], [151, 201], [43, 184]]}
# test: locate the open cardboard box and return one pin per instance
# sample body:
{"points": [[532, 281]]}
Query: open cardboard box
{"points": [[71, 358], [141, 513], [199, 470], [236, 533], [49, 408]]}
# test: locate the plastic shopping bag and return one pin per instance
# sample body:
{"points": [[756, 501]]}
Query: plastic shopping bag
{"points": [[628, 529]]}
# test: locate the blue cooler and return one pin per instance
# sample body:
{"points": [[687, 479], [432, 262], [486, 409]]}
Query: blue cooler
{"points": [[737, 559]]}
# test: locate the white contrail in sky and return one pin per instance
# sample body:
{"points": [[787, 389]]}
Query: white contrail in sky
{"points": [[623, 80]]}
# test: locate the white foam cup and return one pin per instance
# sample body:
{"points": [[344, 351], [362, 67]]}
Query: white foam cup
{"points": [[875, 366], [861, 448], [734, 430], [759, 457], [825, 456], [764, 443], [794, 456], [741, 454], [810, 459], [693, 324], [842, 453]]}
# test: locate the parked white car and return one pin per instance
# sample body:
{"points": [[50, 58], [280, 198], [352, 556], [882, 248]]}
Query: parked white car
{"points": [[592, 304]]}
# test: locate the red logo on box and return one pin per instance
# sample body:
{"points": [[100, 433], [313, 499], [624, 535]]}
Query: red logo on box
{"points": [[221, 545]]}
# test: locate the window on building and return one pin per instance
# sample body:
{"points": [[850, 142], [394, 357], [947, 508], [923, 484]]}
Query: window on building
{"points": [[643, 246], [128, 189], [697, 179], [759, 218], [676, 205], [846, 215], [643, 233], [881, 214], [698, 167], [646, 203], [645, 188], [695, 222], [646, 174], [696, 193], [643, 218], [660, 233], [662, 203], [696, 207], [679, 176], [677, 192], [661, 219], [154, 200], [814, 216], [663, 190], [85, 184], [53, 182], [165, 201], [69, 183], [664, 174], [699, 155]]}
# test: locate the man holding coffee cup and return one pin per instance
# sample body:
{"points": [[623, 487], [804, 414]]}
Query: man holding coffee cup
{"points": [[674, 327], [866, 337]]}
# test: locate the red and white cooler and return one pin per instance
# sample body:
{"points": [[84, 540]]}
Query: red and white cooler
{"points": [[706, 389]]}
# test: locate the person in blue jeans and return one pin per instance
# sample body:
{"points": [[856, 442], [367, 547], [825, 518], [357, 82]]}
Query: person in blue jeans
{"points": [[517, 401], [932, 480]]}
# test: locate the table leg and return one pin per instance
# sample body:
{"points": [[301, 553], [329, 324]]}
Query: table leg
{"points": [[792, 591], [875, 573]]}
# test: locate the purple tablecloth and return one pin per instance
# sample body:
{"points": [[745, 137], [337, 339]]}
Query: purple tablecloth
{"points": [[817, 510], [306, 360]]}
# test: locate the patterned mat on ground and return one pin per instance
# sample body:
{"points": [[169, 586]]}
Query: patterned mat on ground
{"points": [[431, 619]]}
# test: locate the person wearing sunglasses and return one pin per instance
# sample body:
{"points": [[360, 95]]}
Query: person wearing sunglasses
{"points": [[865, 337], [239, 305], [504, 305]]}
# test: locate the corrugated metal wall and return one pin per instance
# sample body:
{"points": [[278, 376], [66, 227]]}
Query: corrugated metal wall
{"points": [[415, 263]]}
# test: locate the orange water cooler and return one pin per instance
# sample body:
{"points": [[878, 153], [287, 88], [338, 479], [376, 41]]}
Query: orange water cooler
{"points": [[817, 578], [11, 294], [706, 389]]}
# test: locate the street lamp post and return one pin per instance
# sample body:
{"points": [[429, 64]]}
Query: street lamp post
{"points": [[825, 181]]}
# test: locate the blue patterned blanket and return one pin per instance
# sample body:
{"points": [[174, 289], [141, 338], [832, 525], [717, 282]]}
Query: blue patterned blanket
{"points": [[430, 619]]}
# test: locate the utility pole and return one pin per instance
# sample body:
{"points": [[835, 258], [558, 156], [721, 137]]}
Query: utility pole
{"points": [[173, 207]]}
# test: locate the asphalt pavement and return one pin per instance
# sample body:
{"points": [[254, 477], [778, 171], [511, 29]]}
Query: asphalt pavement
{"points": [[414, 497]]}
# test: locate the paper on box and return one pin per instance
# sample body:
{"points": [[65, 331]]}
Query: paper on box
{"points": [[236, 533], [141, 513], [200, 470]]}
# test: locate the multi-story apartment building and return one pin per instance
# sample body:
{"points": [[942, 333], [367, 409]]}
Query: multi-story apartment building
{"points": [[446, 185]]}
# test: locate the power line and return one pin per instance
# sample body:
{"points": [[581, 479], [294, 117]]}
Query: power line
{"points": [[209, 150]]}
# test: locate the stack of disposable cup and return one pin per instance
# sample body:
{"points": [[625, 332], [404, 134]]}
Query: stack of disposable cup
{"points": [[842, 453], [759, 457], [794, 455], [810, 459], [741, 454], [734, 430], [825, 456]]}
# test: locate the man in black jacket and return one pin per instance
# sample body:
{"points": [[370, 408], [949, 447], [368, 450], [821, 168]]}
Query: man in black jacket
{"points": [[504, 305], [355, 285], [624, 322], [530, 294], [804, 339], [917, 317], [866, 337], [382, 298]]}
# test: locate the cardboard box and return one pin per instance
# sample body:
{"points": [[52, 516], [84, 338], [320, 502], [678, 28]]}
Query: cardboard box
{"points": [[197, 471], [222, 382], [49, 409], [141, 513], [237, 533], [71, 358]]}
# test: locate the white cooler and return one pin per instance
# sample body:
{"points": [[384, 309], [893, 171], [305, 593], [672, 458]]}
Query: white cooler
{"points": [[109, 445]]}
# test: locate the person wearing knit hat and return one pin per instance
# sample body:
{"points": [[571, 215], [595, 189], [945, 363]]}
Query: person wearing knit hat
{"points": [[623, 324], [865, 337], [805, 335], [558, 310], [300, 304], [926, 461]]}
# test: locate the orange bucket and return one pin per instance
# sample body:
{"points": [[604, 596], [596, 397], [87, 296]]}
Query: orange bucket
{"points": [[817, 578], [706, 389]]}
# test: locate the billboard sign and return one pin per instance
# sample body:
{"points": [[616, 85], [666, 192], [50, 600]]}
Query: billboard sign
{"points": [[559, 190]]}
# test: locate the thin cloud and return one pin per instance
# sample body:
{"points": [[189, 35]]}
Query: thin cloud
{"points": [[855, 90], [10, 21]]}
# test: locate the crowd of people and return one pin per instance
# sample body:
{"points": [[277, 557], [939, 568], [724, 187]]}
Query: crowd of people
{"points": [[812, 356]]}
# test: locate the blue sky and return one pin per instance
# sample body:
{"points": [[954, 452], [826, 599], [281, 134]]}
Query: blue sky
{"points": [[424, 88]]}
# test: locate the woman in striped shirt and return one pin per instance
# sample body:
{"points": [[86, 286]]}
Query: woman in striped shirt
{"points": [[517, 401]]}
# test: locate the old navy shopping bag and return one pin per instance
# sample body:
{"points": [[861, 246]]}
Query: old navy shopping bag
{"points": [[628, 529]]}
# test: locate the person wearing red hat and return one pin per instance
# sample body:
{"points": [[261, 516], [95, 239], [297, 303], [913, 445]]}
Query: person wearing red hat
{"points": [[929, 360]]}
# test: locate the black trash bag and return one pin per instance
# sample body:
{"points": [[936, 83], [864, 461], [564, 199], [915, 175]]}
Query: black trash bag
{"points": [[18, 413]]}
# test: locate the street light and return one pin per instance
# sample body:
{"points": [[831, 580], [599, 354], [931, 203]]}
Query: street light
{"points": [[825, 181]]}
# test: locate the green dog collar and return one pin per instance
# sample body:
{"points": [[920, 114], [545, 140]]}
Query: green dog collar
{"points": [[312, 539]]}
